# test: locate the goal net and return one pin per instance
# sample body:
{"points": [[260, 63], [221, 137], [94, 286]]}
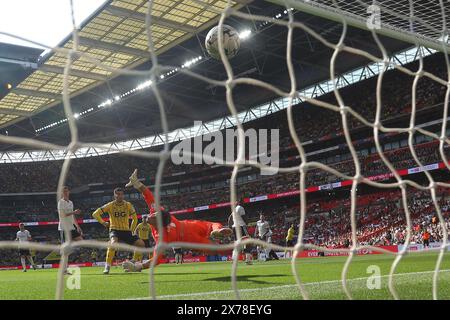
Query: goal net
{"points": [[421, 23]]}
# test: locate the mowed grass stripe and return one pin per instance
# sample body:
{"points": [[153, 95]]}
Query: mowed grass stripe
{"points": [[174, 282]]}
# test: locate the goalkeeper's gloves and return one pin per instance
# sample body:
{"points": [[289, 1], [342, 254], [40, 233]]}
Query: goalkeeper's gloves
{"points": [[134, 181], [129, 266]]}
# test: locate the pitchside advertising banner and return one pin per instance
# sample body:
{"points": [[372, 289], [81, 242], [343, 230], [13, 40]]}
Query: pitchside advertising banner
{"points": [[420, 247], [316, 253]]}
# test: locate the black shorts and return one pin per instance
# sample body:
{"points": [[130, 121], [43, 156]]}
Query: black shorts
{"points": [[123, 236], [244, 232], [177, 250], [426, 243], [74, 234], [24, 252], [147, 243], [290, 243]]}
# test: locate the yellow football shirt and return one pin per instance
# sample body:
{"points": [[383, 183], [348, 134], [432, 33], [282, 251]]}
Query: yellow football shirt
{"points": [[119, 215], [143, 230], [290, 234]]}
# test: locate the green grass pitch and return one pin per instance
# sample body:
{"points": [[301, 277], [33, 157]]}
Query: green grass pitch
{"points": [[263, 280]]}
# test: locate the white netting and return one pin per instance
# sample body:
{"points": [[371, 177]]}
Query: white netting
{"points": [[231, 81]]}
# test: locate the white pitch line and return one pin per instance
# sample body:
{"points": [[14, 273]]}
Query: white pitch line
{"points": [[196, 294]]}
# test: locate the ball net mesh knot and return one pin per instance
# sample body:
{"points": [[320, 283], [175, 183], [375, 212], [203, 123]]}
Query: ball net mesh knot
{"points": [[349, 13]]}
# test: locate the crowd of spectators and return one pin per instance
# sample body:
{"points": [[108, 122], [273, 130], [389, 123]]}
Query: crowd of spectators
{"points": [[259, 185], [380, 220]]}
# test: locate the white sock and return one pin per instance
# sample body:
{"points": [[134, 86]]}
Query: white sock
{"points": [[24, 263]]}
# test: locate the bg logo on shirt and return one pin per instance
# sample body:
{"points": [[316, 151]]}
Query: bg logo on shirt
{"points": [[120, 214]]}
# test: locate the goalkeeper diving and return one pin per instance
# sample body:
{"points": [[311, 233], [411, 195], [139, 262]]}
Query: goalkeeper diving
{"points": [[174, 230]]}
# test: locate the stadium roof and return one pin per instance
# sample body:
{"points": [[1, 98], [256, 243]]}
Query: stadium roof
{"points": [[14, 66], [133, 120], [116, 36]]}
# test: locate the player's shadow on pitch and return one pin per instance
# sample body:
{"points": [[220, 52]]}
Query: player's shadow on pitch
{"points": [[251, 278]]}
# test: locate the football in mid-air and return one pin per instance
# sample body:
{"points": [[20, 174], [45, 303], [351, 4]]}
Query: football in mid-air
{"points": [[231, 42]]}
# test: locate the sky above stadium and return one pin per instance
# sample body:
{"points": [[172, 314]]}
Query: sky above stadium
{"points": [[44, 21]]}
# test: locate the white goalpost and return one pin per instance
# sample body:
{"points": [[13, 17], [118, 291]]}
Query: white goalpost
{"points": [[421, 23]]}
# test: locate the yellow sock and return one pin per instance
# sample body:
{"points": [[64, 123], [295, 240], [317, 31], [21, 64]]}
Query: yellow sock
{"points": [[110, 256], [137, 256]]}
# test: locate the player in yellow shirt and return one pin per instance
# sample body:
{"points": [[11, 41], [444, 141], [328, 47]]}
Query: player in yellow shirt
{"points": [[120, 212], [290, 237], [143, 232], [94, 256]]}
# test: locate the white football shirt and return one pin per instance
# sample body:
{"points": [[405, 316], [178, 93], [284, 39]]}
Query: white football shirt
{"points": [[263, 228], [23, 236], [65, 223], [237, 219]]}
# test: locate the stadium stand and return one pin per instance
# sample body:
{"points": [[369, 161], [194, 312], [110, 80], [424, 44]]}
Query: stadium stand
{"points": [[28, 188]]}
